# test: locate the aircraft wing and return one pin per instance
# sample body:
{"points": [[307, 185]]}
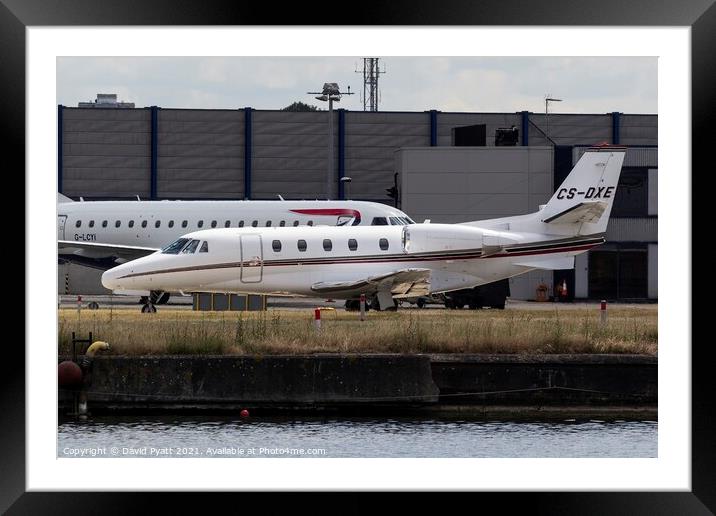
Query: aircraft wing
{"points": [[93, 250], [402, 283]]}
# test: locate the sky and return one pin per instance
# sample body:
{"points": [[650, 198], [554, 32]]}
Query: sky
{"points": [[479, 84]]}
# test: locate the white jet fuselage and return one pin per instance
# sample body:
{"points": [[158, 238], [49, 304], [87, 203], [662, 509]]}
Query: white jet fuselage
{"points": [[270, 261], [388, 262]]}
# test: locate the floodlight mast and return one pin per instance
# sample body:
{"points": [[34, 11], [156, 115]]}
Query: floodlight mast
{"points": [[331, 93]]}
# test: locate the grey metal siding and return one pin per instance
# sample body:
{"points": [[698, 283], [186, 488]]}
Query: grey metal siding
{"points": [[458, 184], [638, 229], [653, 192], [581, 276], [290, 153], [200, 154], [566, 129], [639, 130], [106, 153], [371, 141]]}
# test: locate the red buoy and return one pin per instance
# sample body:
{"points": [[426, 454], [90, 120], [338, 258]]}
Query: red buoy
{"points": [[69, 374], [244, 413]]}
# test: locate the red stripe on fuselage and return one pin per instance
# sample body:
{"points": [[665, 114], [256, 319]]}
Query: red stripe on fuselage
{"points": [[328, 211]]}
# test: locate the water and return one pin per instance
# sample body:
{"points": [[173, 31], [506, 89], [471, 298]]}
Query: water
{"points": [[354, 437]]}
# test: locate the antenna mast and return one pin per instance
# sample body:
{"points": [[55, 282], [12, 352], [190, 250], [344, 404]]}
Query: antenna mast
{"points": [[371, 72]]}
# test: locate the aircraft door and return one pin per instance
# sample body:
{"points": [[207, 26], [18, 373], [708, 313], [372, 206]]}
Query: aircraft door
{"points": [[252, 261], [61, 219]]}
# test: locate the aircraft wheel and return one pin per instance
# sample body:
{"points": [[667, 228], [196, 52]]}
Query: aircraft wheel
{"points": [[421, 303], [149, 308], [93, 305]]}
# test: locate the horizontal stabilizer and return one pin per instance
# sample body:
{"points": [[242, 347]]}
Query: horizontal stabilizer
{"points": [[63, 198], [589, 212], [402, 283], [548, 263]]}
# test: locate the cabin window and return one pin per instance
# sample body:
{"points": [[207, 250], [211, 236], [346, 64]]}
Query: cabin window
{"points": [[213, 223], [131, 224], [184, 223], [204, 247], [171, 223], [255, 223], [104, 223], [241, 223], [200, 224], [175, 246], [117, 223], [302, 245], [295, 223], [327, 244], [282, 223], [352, 244], [379, 221], [227, 224], [268, 223], [276, 244], [91, 223], [144, 223], [191, 247], [78, 223], [383, 243], [157, 223], [310, 223]]}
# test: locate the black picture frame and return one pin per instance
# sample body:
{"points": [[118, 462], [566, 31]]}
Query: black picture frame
{"points": [[16, 15]]}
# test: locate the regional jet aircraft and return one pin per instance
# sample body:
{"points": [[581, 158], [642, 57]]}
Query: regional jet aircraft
{"points": [[387, 263], [102, 234]]}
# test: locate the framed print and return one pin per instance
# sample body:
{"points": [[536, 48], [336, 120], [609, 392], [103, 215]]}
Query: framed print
{"points": [[664, 467]]}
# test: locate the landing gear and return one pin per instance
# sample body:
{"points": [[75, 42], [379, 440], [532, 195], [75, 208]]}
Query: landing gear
{"points": [[375, 305], [155, 297], [421, 302], [94, 305], [353, 305]]}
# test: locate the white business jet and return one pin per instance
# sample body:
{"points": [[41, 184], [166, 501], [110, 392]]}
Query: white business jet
{"points": [[387, 263], [103, 234]]}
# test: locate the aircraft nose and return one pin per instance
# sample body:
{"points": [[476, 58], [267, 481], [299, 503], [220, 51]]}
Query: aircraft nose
{"points": [[110, 278]]}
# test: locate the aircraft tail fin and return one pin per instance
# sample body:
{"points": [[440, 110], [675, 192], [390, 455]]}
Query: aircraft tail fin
{"points": [[63, 198], [583, 202]]}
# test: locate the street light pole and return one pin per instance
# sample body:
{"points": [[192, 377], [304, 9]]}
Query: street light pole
{"points": [[329, 177], [330, 93]]}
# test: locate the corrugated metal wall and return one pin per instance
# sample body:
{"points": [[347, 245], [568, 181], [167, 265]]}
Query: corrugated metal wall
{"points": [[200, 154], [639, 129], [290, 153], [371, 141], [636, 229], [106, 152], [566, 129]]}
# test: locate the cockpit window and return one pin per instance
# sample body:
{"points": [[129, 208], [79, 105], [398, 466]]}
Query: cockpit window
{"points": [[175, 246], [204, 247], [379, 221], [191, 247], [400, 221]]}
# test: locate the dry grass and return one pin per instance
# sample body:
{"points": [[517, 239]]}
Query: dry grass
{"points": [[178, 332]]}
